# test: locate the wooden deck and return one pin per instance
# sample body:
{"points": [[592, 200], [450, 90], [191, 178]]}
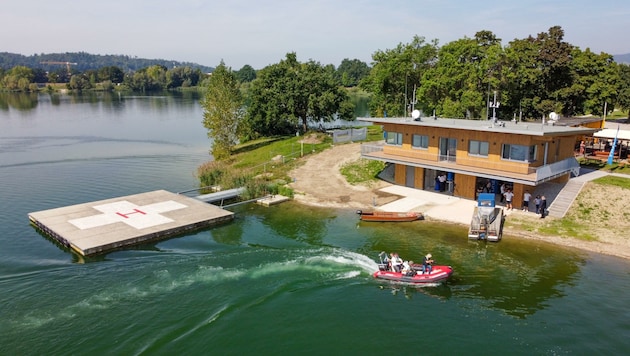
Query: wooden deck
{"points": [[106, 225]]}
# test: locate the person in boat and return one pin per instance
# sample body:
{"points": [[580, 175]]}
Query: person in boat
{"points": [[427, 262], [407, 269], [396, 262], [387, 261]]}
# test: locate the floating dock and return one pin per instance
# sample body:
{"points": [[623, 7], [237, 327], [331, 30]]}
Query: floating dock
{"points": [[106, 225], [272, 200]]}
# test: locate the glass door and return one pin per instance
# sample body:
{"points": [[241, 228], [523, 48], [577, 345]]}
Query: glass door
{"points": [[448, 149]]}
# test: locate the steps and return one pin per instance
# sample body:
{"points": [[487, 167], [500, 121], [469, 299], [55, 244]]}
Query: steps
{"points": [[565, 198]]}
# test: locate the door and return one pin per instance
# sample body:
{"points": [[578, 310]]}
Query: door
{"points": [[448, 149], [410, 177]]}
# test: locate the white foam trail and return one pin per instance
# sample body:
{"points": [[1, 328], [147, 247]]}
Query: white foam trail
{"points": [[335, 264]]}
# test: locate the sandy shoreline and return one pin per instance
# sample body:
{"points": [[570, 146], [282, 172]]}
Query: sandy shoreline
{"points": [[318, 182]]}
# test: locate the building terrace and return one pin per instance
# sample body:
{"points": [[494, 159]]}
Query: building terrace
{"points": [[474, 152]]}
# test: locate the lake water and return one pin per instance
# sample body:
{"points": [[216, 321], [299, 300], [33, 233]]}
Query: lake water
{"points": [[283, 280]]}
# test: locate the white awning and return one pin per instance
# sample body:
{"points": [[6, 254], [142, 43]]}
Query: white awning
{"points": [[610, 133]]}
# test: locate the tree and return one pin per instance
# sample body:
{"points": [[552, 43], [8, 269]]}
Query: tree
{"points": [[351, 72], [182, 77], [17, 78], [623, 98], [595, 81], [290, 93], [456, 86], [246, 74], [111, 73], [394, 75], [222, 111], [79, 82], [536, 71]]}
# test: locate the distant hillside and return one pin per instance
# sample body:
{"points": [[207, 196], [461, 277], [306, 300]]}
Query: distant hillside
{"points": [[85, 61], [622, 58]]}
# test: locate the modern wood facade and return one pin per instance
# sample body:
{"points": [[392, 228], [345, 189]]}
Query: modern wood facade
{"points": [[473, 152]]}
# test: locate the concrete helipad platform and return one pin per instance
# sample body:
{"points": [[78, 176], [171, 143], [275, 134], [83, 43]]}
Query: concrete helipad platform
{"points": [[102, 226]]}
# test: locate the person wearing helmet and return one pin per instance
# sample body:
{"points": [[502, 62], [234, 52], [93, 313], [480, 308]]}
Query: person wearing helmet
{"points": [[426, 263]]}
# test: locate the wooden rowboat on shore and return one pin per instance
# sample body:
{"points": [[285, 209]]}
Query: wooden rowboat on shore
{"points": [[389, 216]]}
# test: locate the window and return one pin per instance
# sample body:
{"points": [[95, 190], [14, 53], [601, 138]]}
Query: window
{"points": [[519, 153], [478, 148], [420, 141], [448, 149], [394, 138]]}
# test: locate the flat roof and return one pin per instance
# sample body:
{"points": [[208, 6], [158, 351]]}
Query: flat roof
{"points": [[106, 225], [612, 133], [512, 127]]}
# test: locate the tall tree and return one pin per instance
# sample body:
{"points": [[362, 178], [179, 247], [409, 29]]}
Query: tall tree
{"points": [[290, 93], [246, 74], [536, 70], [17, 78], [223, 111], [456, 86], [623, 98], [351, 72], [396, 73], [595, 81]]}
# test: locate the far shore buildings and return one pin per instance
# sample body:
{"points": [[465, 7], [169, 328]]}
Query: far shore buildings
{"points": [[476, 154]]}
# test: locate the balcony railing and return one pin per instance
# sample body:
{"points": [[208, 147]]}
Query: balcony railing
{"points": [[468, 163]]}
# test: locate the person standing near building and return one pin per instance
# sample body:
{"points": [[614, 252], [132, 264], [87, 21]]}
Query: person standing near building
{"points": [[526, 198], [537, 203], [502, 192], [442, 178], [582, 148], [508, 198], [543, 206]]}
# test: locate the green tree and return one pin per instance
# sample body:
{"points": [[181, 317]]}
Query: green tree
{"points": [[112, 73], [182, 77], [595, 81], [79, 82], [222, 111], [536, 71], [351, 72], [623, 98], [290, 93], [396, 73], [457, 85], [246, 74], [17, 78]]}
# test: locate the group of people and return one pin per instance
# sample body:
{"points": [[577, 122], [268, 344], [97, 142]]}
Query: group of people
{"points": [[540, 201], [440, 182], [396, 264]]}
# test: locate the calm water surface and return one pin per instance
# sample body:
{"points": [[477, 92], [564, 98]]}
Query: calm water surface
{"points": [[282, 280]]}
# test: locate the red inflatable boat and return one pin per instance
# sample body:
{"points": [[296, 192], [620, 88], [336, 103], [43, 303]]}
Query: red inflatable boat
{"points": [[438, 274]]}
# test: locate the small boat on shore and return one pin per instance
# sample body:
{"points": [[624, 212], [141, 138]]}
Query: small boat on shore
{"points": [[389, 216]]}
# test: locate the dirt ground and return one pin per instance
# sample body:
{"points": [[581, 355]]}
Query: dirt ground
{"points": [[318, 182]]}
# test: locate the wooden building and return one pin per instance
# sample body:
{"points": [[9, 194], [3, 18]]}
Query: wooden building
{"points": [[475, 154]]}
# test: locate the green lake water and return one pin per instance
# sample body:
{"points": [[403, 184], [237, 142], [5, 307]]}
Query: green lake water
{"points": [[282, 280]]}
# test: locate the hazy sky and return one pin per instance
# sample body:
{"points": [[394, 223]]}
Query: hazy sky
{"points": [[261, 32]]}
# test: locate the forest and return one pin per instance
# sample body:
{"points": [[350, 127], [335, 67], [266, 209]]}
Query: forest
{"points": [[525, 78]]}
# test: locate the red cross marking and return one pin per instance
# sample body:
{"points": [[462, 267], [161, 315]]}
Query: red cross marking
{"points": [[135, 211]]}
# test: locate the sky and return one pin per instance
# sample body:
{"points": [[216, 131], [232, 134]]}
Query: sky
{"points": [[262, 32]]}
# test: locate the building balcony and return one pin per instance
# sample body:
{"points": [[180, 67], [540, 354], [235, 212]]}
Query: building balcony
{"points": [[505, 170]]}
